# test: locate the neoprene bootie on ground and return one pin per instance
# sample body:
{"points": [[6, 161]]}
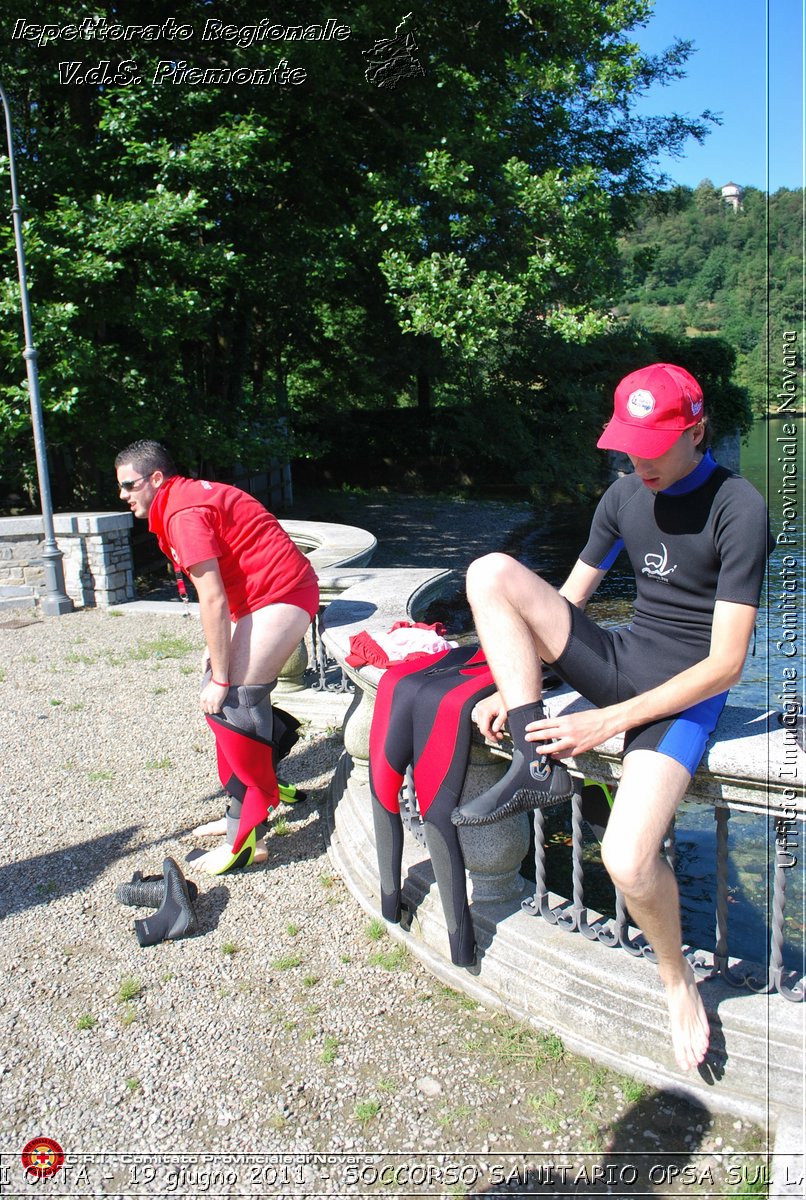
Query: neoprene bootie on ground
{"points": [[147, 891], [534, 780], [176, 916]]}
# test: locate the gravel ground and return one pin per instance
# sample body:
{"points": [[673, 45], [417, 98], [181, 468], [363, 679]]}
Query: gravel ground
{"points": [[290, 1047]]}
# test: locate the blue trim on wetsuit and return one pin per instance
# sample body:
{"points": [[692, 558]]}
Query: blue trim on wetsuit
{"points": [[686, 738], [610, 558], [695, 478]]}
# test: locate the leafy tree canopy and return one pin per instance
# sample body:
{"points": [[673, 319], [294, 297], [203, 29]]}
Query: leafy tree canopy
{"points": [[235, 241]]}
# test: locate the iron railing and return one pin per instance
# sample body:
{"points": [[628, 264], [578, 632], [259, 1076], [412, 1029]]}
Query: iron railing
{"points": [[573, 915]]}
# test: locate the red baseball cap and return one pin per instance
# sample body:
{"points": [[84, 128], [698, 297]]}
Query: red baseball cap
{"points": [[652, 408]]}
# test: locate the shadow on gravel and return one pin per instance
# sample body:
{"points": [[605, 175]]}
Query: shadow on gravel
{"points": [[43, 878], [652, 1149]]}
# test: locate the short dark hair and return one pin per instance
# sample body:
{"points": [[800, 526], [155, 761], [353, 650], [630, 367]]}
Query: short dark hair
{"points": [[147, 456]]}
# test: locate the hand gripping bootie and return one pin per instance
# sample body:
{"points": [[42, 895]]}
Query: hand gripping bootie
{"points": [[147, 891], [534, 780], [176, 916]]}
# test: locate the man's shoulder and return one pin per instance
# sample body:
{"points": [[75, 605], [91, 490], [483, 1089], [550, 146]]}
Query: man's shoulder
{"points": [[733, 488]]}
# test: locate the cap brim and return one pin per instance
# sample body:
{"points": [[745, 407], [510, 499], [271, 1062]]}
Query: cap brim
{"points": [[633, 439]]}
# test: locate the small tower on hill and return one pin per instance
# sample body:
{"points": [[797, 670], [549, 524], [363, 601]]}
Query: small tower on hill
{"points": [[732, 195]]}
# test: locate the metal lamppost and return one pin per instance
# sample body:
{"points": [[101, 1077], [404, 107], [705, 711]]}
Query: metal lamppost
{"points": [[54, 600]]}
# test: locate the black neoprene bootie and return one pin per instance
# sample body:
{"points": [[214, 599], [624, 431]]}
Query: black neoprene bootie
{"points": [[176, 916], [147, 891], [534, 780]]}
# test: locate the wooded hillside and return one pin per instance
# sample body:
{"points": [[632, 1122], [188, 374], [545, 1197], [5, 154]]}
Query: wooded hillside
{"points": [[694, 266]]}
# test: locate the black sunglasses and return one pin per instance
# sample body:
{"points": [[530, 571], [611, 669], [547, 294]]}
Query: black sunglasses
{"points": [[126, 485]]}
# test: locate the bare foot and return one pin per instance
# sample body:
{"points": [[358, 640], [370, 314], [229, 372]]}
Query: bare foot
{"points": [[689, 1020], [212, 828]]}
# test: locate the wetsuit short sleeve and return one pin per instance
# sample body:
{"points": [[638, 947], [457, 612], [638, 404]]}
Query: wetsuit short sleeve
{"points": [[193, 535], [743, 542], [605, 542]]}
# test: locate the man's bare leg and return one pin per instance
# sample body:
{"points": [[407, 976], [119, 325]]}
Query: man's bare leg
{"points": [[520, 619], [262, 642], [651, 788]]}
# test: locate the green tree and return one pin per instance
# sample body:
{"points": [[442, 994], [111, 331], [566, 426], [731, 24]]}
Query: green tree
{"points": [[236, 266]]}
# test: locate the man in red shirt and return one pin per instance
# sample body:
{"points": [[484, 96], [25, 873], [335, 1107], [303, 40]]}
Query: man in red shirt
{"points": [[257, 595]]}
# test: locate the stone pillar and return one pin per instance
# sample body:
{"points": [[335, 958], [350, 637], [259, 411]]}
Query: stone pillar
{"points": [[97, 556], [493, 853], [292, 675]]}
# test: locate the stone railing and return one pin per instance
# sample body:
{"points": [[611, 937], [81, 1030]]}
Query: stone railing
{"points": [[97, 558], [98, 568], [610, 1009]]}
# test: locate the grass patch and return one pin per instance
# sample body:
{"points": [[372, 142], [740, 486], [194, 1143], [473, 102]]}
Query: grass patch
{"points": [[100, 776], [330, 1048], [165, 645], [287, 962], [159, 764], [310, 980], [394, 959], [516, 1042], [229, 948], [376, 929], [132, 1083], [86, 1021], [292, 929], [281, 827], [453, 1115], [633, 1090], [130, 988], [367, 1110], [458, 999], [128, 1016]]}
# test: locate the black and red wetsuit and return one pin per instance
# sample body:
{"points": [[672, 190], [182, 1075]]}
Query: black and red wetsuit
{"points": [[422, 717]]}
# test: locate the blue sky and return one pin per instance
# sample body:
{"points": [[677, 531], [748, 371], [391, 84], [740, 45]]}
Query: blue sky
{"points": [[748, 65]]}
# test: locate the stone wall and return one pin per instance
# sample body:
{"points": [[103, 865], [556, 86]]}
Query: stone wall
{"points": [[97, 558]]}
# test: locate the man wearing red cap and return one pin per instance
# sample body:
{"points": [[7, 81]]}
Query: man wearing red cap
{"points": [[698, 538]]}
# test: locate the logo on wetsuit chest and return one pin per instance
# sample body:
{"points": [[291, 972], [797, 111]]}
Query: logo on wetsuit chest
{"points": [[656, 565]]}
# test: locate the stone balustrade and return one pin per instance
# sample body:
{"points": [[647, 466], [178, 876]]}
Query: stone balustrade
{"points": [[98, 568], [97, 558], [610, 1008]]}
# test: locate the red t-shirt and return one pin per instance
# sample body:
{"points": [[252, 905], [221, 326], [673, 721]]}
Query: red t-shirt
{"points": [[195, 520]]}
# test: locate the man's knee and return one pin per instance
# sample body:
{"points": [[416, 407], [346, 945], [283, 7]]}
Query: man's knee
{"points": [[630, 865], [489, 575]]}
